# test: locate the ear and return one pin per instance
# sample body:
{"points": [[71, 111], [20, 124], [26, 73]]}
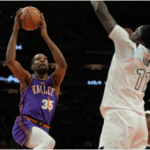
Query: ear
{"points": [[138, 37], [32, 67]]}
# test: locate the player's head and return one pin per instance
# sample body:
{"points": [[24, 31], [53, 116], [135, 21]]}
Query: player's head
{"points": [[39, 63], [147, 115], [142, 36]]}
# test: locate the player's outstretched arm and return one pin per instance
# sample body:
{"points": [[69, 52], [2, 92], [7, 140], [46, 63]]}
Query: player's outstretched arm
{"points": [[14, 65], [104, 16], [61, 68]]}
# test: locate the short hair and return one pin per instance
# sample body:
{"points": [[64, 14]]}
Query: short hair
{"points": [[32, 61], [145, 35]]}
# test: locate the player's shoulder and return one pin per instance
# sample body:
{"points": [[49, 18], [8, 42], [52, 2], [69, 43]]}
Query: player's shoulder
{"points": [[119, 29], [119, 35]]}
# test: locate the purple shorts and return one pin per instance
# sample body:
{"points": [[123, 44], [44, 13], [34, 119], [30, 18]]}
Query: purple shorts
{"points": [[21, 128]]}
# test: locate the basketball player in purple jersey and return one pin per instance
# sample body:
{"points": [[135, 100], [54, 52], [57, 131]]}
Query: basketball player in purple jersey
{"points": [[39, 92]]}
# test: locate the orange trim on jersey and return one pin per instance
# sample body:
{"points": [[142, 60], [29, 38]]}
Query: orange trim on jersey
{"points": [[27, 85], [54, 86], [42, 78], [35, 121]]}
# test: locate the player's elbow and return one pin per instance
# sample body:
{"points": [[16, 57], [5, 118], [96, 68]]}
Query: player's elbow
{"points": [[9, 61], [64, 65]]}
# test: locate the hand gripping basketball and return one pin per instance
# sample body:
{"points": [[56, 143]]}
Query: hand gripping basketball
{"points": [[16, 21], [43, 27]]}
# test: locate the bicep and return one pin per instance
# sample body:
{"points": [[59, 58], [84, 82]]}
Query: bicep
{"points": [[18, 71], [106, 19], [59, 74]]}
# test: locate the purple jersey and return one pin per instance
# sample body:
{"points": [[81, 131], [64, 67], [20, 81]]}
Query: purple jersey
{"points": [[37, 101]]}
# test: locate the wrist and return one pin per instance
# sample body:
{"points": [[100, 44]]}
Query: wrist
{"points": [[45, 37], [15, 29]]}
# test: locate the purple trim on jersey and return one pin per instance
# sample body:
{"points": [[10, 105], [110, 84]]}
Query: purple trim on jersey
{"points": [[20, 130], [19, 118], [21, 125], [21, 103]]}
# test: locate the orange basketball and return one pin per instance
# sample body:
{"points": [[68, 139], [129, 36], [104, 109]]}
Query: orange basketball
{"points": [[30, 18]]}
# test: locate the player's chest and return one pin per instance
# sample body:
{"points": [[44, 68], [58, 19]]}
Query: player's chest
{"points": [[141, 60], [43, 101], [42, 88]]}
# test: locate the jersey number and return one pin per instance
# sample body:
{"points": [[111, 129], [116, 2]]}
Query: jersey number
{"points": [[142, 76], [47, 104]]}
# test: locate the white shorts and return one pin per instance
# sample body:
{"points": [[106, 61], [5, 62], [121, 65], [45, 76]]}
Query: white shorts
{"points": [[123, 129]]}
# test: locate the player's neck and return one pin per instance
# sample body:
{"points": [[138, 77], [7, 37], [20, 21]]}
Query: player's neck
{"points": [[42, 76]]}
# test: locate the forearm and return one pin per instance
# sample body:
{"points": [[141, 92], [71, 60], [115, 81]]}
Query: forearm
{"points": [[57, 55], [11, 48], [104, 16]]}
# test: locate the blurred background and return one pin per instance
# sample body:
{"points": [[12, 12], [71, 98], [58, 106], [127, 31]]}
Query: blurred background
{"points": [[76, 30]]}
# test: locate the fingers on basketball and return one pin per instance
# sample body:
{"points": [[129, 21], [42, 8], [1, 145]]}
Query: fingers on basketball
{"points": [[40, 27], [42, 17], [18, 11]]}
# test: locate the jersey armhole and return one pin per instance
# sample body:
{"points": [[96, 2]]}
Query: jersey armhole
{"points": [[27, 85], [53, 85], [123, 60]]}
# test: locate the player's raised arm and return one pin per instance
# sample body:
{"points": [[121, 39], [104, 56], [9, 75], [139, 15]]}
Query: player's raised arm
{"points": [[11, 62], [104, 16], [60, 71]]}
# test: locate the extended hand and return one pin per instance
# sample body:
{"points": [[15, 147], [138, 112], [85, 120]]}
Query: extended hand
{"points": [[43, 27], [95, 4], [16, 22]]}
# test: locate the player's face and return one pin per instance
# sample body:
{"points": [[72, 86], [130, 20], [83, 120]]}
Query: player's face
{"points": [[136, 35], [40, 63], [148, 120]]}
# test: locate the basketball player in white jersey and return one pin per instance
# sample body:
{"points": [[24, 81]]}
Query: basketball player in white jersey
{"points": [[147, 115], [122, 106]]}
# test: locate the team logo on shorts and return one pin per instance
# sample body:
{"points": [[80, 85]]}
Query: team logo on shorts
{"points": [[47, 104]]}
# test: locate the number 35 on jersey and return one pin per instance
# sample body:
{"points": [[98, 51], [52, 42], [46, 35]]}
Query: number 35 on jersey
{"points": [[47, 104]]}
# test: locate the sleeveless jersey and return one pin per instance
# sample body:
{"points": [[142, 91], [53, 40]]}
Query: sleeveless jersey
{"points": [[39, 100], [127, 79]]}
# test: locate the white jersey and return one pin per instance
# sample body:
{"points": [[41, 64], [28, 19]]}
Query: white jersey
{"points": [[128, 75]]}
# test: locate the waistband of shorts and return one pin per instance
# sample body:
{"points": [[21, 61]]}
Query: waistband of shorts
{"points": [[37, 122], [111, 110]]}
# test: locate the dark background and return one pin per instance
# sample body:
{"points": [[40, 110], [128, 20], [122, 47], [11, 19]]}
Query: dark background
{"points": [[76, 30]]}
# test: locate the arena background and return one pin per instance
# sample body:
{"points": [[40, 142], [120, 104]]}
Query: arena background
{"points": [[76, 30]]}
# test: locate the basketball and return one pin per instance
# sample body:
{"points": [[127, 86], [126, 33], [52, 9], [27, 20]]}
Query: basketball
{"points": [[30, 18]]}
